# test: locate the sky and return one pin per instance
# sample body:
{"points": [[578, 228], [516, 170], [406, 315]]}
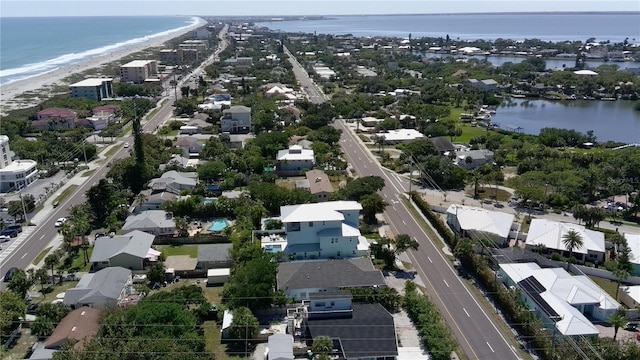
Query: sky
{"points": [[26, 8]]}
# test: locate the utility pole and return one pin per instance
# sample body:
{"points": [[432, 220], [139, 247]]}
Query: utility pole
{"points": [[24, 208], [84, 151], [410, 175]]}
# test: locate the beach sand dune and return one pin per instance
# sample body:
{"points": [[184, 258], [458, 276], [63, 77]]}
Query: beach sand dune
{"points": [[10, 98]]}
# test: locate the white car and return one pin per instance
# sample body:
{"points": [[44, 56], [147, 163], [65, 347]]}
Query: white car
{"points": [[60, 221], [4, 238], [126, 145]]}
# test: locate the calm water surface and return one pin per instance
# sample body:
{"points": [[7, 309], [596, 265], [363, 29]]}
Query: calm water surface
{"points": [[610, 120]]}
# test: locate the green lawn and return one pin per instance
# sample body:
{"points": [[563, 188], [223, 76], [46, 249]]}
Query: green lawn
{"points": [[491, 193], [40, 256], [606, 285], [469, 132], [170, 250], [88, 173], [65, 193], [78, 264], [111, 151]]}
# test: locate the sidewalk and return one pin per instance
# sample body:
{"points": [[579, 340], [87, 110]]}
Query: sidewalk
{"points": [[47, 209]]}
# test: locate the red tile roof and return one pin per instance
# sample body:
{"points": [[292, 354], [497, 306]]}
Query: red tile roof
{"points": [[57, 112], [81, 324]]}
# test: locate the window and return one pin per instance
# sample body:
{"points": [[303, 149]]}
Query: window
{"points": [[295, 226], [320, 304], [310, 223]]}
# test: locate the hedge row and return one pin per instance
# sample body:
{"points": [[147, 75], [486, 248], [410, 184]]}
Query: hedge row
{"points": [[434, 333], [441, 227]]}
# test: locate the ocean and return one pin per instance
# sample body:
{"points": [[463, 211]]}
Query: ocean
{"points": [[615, 27], [33, 46]]}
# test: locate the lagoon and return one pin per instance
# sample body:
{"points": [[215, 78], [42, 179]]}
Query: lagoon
{"points": [[610, 120], [551, 64]]}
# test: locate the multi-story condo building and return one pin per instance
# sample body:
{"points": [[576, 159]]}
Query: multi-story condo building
{"points": [[138, 71], [94, 89], [14, 174]]}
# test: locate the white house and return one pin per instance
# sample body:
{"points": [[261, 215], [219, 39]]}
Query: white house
{"points": [[323, 230], [633, 243], [480, 223], [156, 222], [630, 296], [400, 136], [236, 119], [550, 234], [561, 300], [14, 174], [471, 159], [101, 120], [295, 158]]}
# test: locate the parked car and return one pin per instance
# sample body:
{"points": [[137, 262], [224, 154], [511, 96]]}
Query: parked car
{"points": [[10, 232], [17, 227], [4, 238], [60, 221], [9, 274]]}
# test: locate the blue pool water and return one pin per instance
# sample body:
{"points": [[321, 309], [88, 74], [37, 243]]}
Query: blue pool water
{"points": [[218, 225], [273, 248], [208, 200]]}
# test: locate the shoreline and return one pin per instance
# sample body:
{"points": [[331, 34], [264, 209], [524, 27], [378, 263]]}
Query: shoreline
{"points": [[10, 94]]}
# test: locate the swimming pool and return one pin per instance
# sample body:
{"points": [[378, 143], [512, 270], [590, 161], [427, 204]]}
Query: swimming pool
{"points": [[209, 200], [273, 248], [218, 225]]}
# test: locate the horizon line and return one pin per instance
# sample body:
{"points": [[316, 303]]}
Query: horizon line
{"points": [[362, 15]]}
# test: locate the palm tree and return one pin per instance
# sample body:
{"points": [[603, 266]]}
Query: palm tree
{"points": [[572, 240], [617, 321], [620, 274]]}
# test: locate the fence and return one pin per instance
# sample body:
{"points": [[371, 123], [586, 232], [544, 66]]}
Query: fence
{"points": [[199, 239]]}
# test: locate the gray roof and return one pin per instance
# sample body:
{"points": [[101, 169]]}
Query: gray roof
{"points": [[237, 109], [149, 219], [442, 143], [162, 196], [368, 333], [280, 347], [135, 243], [174, 177], [214, 252], [358, 272], [476, 154], [107, 283]]}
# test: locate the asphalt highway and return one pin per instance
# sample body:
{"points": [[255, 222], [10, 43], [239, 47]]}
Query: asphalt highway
{"points": [[476, 333]]}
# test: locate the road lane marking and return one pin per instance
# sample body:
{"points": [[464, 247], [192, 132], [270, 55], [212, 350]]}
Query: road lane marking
{"points": [[428, 258], [41, 237], [465, 311], [385, 195], [445, 282], [404, 222], [25, 254], [490, 347]]}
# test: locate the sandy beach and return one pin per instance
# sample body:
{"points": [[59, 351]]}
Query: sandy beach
{"points": [[10, 93]]}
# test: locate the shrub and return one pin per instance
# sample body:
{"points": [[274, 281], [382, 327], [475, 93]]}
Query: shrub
{"points": [[435, 220]]}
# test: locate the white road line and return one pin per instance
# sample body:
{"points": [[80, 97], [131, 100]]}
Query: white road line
{"points": [[365, 166], [428, 258], [385, 195], [404, 222], [490, 347], [465, 311], [41, 237], [25, 254], [445, 282]]}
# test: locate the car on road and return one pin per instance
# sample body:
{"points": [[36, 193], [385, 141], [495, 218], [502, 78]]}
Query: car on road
{"points": [[4, 238], [60, 221], [126, 145]]}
